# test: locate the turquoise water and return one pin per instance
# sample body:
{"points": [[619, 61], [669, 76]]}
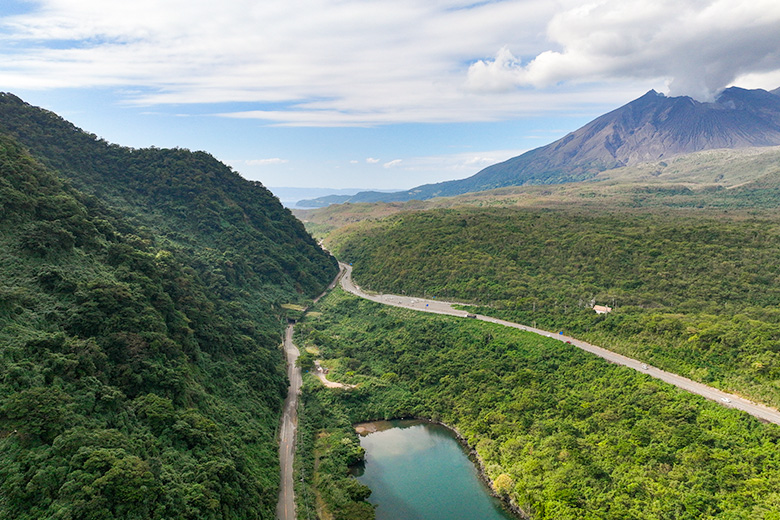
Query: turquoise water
{"points": [[419, 471]]}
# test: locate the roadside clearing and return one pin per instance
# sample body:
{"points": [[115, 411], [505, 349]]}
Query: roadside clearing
{"points": [[322, 375]]}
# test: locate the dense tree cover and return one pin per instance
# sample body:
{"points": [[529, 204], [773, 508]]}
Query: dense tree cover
{"points": [[692, 293], [140, 369], [566, 434], [237, 228], [327, 447]]}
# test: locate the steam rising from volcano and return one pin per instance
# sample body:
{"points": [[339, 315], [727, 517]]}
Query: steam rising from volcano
{"points": [[698, 46]]}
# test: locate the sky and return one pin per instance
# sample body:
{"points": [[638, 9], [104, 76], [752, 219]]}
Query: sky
{"points": [[379, 94]]}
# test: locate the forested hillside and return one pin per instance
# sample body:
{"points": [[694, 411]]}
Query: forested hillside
{"points": [[692, 293], [189, 198], [140, 325], [566, 435]]}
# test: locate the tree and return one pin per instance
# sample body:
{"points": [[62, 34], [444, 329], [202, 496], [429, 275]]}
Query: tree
{"points": [[39, 412]]}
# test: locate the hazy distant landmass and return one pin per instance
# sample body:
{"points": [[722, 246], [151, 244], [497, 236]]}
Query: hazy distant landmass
{"points": [[292, 197]]}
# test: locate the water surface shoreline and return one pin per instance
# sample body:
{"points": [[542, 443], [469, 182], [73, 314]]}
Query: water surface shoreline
{"points": [[366, 428]]}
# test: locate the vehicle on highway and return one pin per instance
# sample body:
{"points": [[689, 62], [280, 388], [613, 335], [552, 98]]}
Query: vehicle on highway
{"points": [[471, 315], [725, 399]]}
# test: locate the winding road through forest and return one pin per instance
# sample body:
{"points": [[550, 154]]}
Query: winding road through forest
{"points": [[757, 410], [286, 507]]}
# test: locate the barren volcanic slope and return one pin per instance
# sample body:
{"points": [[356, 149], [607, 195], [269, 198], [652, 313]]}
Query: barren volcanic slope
{"points": [[649, 128]]}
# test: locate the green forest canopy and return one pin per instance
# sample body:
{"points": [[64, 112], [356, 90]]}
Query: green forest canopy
{"points": [[569, 435], [140, 323], [692, 293]]}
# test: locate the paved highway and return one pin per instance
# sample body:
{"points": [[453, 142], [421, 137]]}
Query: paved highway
{"points": [[760, 411], [285, 509]]}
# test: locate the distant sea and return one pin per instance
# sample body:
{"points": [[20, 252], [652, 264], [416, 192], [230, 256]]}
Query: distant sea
{"points": [[290, 196]]}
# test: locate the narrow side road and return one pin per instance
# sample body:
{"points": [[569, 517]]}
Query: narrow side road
{"points": [[323, 377], [285, 509], [757, 410]]}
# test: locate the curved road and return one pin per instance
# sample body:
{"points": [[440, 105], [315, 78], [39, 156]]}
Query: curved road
{"points": [[285, 509], [760, 411]]}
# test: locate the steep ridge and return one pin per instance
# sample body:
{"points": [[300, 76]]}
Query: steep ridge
{"points": [[140, 324], [181, 195], [650, 128]]}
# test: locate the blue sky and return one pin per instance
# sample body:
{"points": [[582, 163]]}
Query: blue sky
{"points": [[384, 94]]}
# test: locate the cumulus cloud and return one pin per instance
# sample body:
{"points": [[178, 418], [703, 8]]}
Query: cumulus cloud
{"points": [[698, 46], [501, 74], [266, 162], [371, 160]]}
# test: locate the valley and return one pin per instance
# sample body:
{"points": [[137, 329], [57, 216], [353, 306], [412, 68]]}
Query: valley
{"points": [[692, 295], [147, 296], [566, 434], [521, 260]]}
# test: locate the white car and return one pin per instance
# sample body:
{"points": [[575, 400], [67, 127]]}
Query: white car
{"points": [[725, 399]]}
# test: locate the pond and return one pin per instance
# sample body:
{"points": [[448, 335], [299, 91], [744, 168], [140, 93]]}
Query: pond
{"points": [[419, 471]]}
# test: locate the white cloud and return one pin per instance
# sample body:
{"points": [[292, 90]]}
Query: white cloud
{"points": [[499, 75], [479, 161], [371, 160], [698, 46], [393, 163], [459, 164], [357, 63], [266, 162]]}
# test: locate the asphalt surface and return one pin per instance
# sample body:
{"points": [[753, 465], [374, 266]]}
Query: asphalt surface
{"points": [[757, 410], [285, 509]]}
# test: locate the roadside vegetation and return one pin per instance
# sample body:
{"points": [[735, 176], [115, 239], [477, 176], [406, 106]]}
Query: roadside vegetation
{"points": [[696, 294], [564, 434], [327, 446]]}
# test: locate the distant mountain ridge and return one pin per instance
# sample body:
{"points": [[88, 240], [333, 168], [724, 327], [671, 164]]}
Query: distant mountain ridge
{"points": [[652, 127]]}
